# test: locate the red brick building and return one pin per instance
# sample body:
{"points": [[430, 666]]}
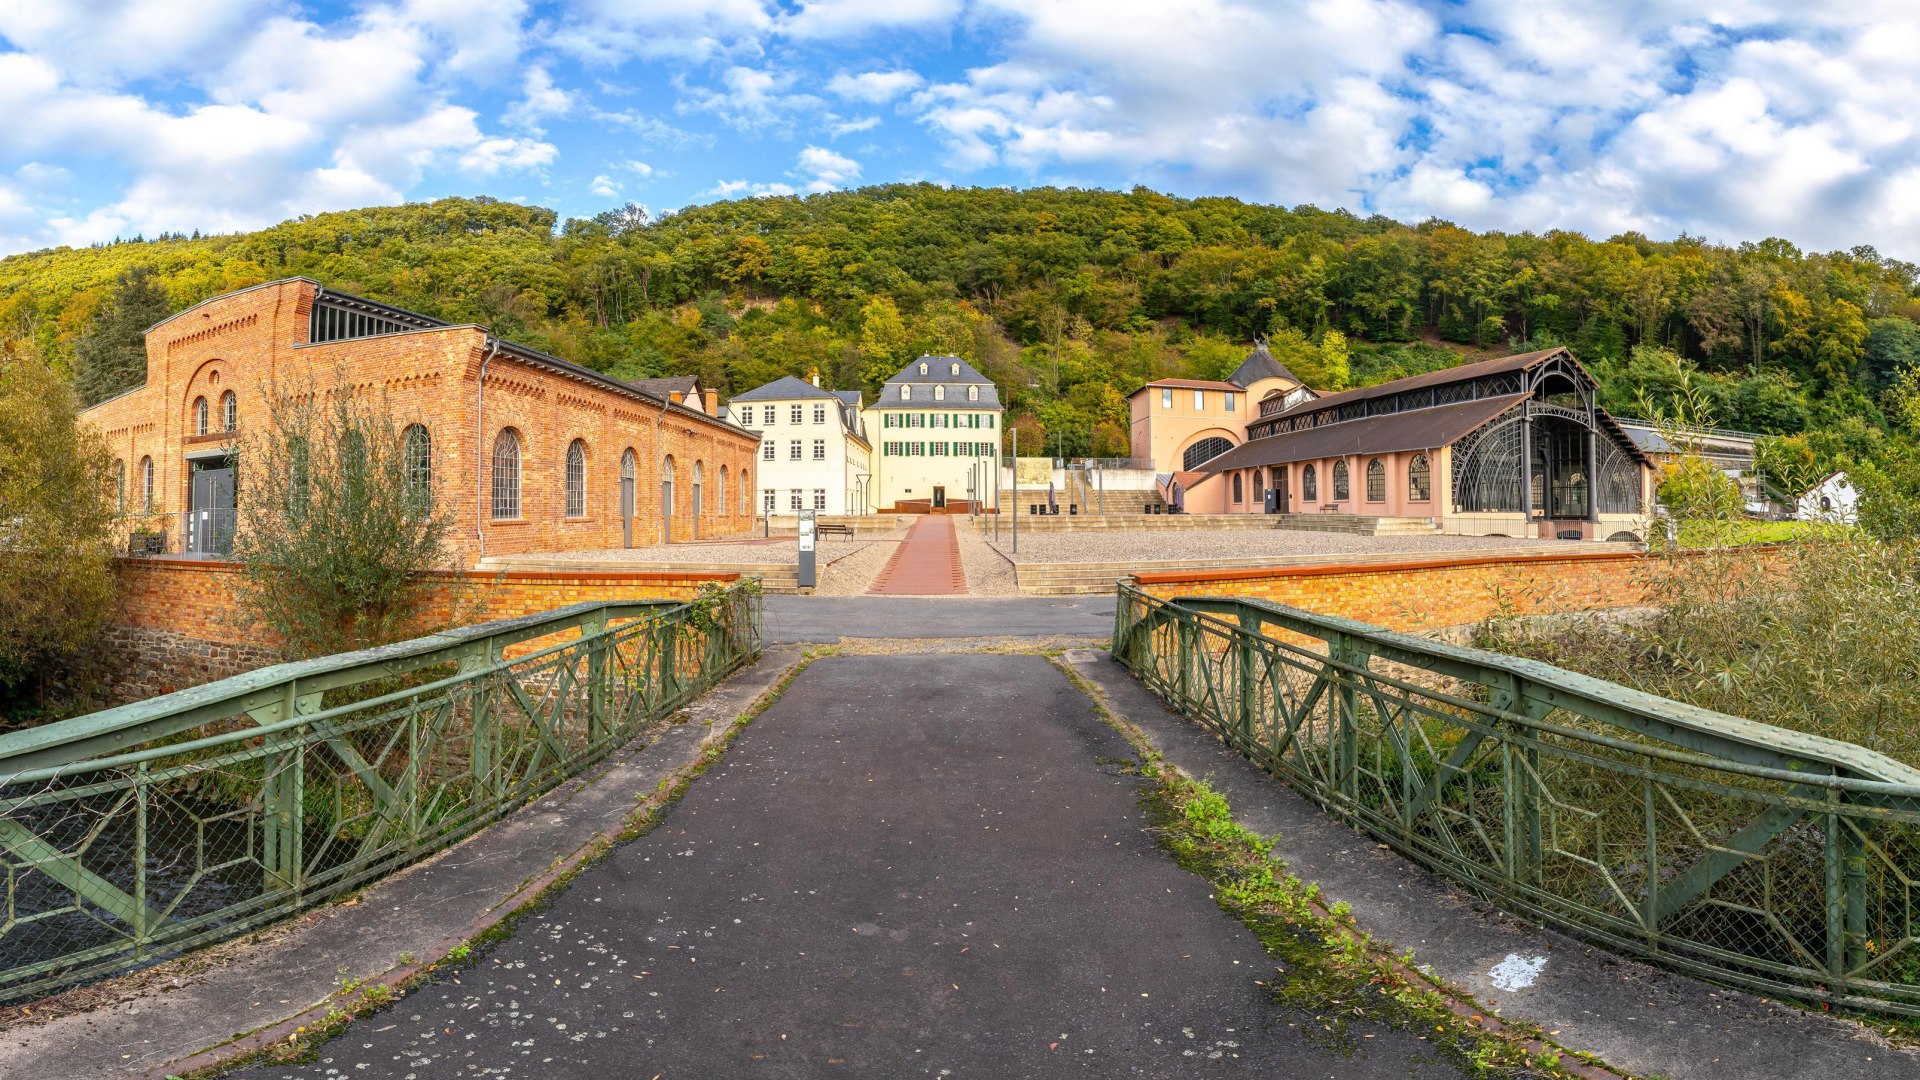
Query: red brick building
{"points": [[529, 452]]}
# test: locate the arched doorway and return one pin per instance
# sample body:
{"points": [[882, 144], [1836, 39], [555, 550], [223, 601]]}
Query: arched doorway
{"points": [[628, 475]]}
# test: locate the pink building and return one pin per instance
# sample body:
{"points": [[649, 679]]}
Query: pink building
{"points": [[1179, 424], [1446, 446]]}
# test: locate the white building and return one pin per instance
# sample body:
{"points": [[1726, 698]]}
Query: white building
{"points": [[813, 453], [937, 427], [1831, 500]]}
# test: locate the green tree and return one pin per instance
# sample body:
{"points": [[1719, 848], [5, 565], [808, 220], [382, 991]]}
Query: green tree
{"points": [[56, 508], [336, 534], [110, 357]]}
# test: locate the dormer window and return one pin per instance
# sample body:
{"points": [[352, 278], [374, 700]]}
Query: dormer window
{"points": [[939, 393], [973, 393], [955, 369], [923, 369], [906, 392]]}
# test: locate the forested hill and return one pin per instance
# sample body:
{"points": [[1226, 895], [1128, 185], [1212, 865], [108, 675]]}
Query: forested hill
{"points": [[1068, 298]]}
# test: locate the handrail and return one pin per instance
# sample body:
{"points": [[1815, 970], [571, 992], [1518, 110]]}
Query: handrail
{"points": [[1733, 737], [134, 833], [1778, 860]]}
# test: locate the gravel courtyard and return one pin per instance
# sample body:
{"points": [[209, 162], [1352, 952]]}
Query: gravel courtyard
{"points": [[1162, 545]]}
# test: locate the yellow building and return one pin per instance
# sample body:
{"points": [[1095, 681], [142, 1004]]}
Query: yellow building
{"points": [[1180, 424]]}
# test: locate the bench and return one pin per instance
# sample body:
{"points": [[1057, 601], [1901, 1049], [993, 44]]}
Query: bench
{"points": [[1329, 508], [833, 529]]}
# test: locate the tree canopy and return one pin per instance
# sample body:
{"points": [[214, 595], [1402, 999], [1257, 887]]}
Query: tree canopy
{"points": [[1068, 298]]}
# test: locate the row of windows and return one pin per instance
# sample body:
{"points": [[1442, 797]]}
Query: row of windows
{"points": [[794, 447], [796, 499], [144, 479], [770, 413], [229, 414], [1229, 401], [506, 478], [939, 392], [937, 420], [1419, 481], [937, 449]]}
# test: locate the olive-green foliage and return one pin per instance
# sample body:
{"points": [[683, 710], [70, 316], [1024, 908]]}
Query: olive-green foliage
{"points": [[1692, 488], [110, 355], [1820, 636], [737, 292], [333, 539], [56, 512]]}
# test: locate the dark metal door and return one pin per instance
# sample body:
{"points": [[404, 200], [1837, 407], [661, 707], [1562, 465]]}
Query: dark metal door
{"points": [[939, 498], [1278, 505], [210, 518]]}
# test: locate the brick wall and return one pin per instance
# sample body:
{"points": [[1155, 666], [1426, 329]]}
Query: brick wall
{"points": [[1422, 597], [179, 624]]}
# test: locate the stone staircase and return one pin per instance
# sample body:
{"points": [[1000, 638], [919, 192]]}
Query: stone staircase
{"points": [[1356, 524]]}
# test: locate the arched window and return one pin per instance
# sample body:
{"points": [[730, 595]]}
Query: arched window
{"points": [[119, 486], [146, 484], [1239, 489], [629, 473], [1203, 451], [199, 416], [229, 411], [906, 393], [699, 479], [1342, 490], [1309, 484], [746, 492], [1376, 481], [416, 449], [923, 369], [955, 369], [939, 393], [506, 475], [576, 479], [973, 393], [720, 496], [1419, 479]]}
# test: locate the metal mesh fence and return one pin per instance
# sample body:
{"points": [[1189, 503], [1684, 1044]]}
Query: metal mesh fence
{"points": [[1753, 855], [131, 835]]}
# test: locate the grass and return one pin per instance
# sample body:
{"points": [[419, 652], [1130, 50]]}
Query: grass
{"points": [[1703, 534]]}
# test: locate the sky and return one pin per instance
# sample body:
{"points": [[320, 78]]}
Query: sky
{"points": [[1729, 119]]}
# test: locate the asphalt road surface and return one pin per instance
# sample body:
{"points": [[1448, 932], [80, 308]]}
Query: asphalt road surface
{"points": [[922, 865]]}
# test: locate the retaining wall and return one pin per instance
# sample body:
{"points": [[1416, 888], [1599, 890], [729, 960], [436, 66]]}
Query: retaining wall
{"points": [[180, 623], [1427, 595]]}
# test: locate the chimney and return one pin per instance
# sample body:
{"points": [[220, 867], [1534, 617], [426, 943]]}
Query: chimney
{"points": [[713, 403], [815, 376], [674, 396]]}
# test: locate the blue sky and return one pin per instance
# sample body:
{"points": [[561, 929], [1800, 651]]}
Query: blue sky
{"points": [[1735, 120]]}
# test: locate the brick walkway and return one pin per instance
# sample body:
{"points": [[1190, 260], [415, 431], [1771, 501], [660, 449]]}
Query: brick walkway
{"points": [[927, 562]]}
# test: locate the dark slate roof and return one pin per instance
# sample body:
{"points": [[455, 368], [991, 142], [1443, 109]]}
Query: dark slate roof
{"points": [[670, 384], [786, 388], [1443, 377], [939, 373], [1258, 365], [1416, 429], [851, 397]]}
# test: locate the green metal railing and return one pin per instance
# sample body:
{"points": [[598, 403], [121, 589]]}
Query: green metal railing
{"points": [[133, 834], [1753, 855]]}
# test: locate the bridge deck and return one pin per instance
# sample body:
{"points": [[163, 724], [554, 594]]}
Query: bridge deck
{"points": [[910, 865]]}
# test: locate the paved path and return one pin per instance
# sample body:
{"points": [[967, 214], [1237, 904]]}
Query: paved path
{"points": [[908, 866], [927, 562], [829, 618]]}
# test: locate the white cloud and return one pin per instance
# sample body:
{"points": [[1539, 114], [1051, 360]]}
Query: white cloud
{"points": [[875, 87], [753, 98], [604, 187], [727, 189], [851, 127], [540, 100], [823, 170], [849, 18], [640, 168]]}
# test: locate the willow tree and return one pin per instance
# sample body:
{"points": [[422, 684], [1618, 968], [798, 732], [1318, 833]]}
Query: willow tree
{"points": [[56, 516], [339, 523]]}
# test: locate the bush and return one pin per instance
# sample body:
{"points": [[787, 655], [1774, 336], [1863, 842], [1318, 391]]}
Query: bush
{"points": [[334, 536], [56, 515]]}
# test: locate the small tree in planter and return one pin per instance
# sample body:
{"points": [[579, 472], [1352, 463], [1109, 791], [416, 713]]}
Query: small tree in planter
{"points": [[338, 527]]}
